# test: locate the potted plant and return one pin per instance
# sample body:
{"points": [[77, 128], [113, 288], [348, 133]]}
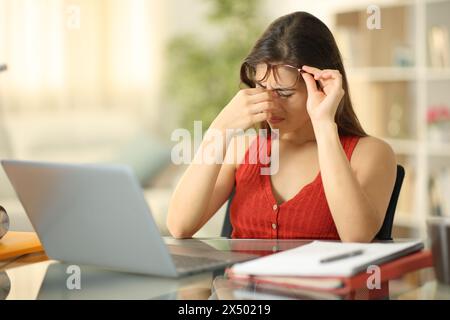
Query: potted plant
{"points": [[438, 119], [203, 75]]}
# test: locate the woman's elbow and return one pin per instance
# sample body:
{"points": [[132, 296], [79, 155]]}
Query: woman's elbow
{"points": [[177, 229], [361, 237], [178, 232], [363, 233], [181, 235]]}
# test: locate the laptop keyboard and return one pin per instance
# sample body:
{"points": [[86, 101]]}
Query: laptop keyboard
{"points": [[194, 263]]}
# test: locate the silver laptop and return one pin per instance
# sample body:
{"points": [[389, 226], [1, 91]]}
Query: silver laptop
{"points": [[97, 215]]}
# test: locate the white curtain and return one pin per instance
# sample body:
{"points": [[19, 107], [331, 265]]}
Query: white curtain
{"points": [[80, 54]]}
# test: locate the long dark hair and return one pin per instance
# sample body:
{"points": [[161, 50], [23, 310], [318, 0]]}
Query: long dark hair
{"points": [[301, 39]]}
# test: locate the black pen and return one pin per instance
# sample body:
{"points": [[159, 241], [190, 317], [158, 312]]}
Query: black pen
{"points": [[342, 256]]}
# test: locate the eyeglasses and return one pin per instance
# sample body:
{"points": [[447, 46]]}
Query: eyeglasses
{"points": [[286, 76]]}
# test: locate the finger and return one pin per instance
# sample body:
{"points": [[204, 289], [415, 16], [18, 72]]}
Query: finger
{"points": [[325, 82], [335, 95], [333, 88], [311, 70], [311, 85], [330, 78], [253, 91], [260, 97], [259, 117], [327, 74], [324, 76], [262, 106], [330, 74]]}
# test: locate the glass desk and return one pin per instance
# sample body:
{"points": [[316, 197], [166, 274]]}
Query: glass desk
{"points": [[36, 277]]}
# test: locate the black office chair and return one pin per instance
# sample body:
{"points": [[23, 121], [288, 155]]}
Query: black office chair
{"points": [[385, 232]]}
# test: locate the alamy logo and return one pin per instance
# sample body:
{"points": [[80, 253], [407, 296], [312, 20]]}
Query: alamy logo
{"points": [[374, 19], [73, 21], [374, 280], [73, 281], [213, 147]]}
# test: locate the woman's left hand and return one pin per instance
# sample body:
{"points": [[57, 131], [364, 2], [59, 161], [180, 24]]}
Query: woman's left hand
{"points": [[322, 104]]}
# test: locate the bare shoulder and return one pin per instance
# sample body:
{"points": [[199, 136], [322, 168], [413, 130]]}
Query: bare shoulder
{"points": [[371, 146], [374, 155]]}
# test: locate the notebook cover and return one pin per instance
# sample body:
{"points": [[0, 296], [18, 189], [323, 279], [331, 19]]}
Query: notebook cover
{"points": [[388, 271], [391, 270], [15, 244]]}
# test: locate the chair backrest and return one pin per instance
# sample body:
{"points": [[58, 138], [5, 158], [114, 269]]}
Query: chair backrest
{"points": [[385, 232], [227, 229]]}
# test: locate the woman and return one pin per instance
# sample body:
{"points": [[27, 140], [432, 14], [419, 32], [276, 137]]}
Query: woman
{"points": [[333, 181]]}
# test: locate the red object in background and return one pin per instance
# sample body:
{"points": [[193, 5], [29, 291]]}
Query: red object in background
{"points": [[438, 113]]}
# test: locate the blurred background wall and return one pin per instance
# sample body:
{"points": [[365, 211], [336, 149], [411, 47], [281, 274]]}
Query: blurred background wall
{"points": [[109, 80]]}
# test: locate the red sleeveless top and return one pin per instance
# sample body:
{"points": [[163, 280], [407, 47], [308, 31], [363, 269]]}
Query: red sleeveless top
{"points": [[256, 214]]}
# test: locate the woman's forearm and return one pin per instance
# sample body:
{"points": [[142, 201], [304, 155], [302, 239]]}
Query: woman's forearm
{"points": [[191, 197], [354, 216]]}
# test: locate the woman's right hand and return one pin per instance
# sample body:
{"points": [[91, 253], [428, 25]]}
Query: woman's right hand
{"points": [[248, 107]]}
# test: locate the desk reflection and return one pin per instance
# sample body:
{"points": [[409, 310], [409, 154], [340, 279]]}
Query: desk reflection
{"points": [[5, 285]]}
